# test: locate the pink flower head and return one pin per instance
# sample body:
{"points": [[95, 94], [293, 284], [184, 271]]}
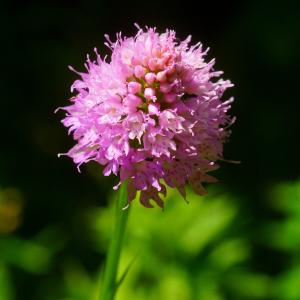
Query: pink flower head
{"points": [[152, 115]]}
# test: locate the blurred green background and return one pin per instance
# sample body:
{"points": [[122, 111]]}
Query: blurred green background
{"points": [[242, 241]]}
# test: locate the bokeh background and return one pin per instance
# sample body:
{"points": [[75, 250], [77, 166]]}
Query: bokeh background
{"points": [[242, 241]]}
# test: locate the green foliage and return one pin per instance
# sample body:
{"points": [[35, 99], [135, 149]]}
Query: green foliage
{"points": [[196, 251], [199, 251], [184, 252]]}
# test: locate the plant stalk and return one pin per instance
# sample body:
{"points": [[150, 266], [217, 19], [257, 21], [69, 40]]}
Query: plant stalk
{"points": [[109, 286]]}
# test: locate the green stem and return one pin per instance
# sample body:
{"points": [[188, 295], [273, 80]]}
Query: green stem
{"points": [[111, 268]]}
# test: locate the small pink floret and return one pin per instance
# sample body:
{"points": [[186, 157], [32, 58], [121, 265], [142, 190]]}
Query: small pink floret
{"points": [[134, 87], [149, 93], [161, 76], [139, 71], [154, 108], [150, 78]]}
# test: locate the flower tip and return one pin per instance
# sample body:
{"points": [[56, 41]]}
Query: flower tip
{"points": [[116, 187], [137, 26], [126, 206], [57, 109], [73, 70], [236, 162], [78, 168]]}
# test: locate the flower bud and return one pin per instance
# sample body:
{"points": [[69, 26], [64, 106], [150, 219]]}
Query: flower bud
{"points": [[150, 78], [139, 71], [161, 76], [134, 87], [149, 93], [152, 64]]}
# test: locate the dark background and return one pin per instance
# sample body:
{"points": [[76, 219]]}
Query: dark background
{"points": [[256, 43]]}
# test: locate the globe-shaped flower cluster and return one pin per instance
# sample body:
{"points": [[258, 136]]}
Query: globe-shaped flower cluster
{"points": [[152, 115]]}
